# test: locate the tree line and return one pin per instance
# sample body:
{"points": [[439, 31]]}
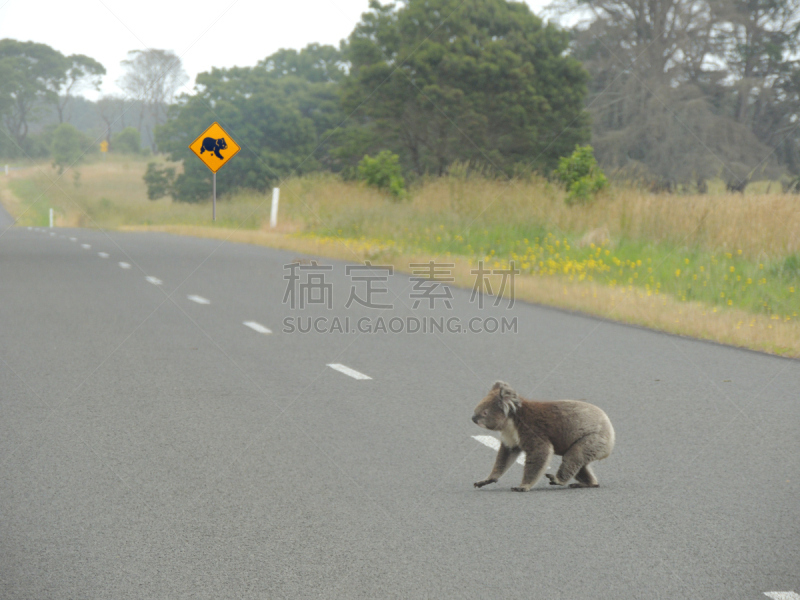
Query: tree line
{"points": [[40, 94], [687, 90], [671, 92], [435, 82]]}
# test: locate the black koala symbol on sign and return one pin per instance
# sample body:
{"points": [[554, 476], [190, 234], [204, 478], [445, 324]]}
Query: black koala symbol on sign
{"points": [[214, 146]]}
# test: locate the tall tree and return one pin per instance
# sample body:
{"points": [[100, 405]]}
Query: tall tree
{"points": [[278, 112], [81, 74], [31, 74], [440, 81], [153, 77], [676, 84], [112, 111], [315, 63], [760, 43]]}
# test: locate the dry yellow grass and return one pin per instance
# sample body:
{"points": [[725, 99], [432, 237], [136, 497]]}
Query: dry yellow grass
{"points": [[323, 215], [761, 225], [112, 193]]}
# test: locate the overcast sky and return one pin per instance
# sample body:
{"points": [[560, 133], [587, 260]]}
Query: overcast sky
{"points": [[204, 33]]}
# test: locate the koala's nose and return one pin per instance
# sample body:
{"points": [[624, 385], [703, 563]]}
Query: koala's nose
{"points": [[475, 419]]}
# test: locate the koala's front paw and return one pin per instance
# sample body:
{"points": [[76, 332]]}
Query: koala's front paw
{"points": [[553, 479], [480, 484], [519, 489]]}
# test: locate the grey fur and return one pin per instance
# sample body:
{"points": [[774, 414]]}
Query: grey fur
{"points": [[579, 432]]}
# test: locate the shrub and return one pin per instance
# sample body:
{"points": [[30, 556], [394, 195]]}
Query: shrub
{"points": [[383, 172], [127, 141], [580, 175], [159, 182], [68, 146]]}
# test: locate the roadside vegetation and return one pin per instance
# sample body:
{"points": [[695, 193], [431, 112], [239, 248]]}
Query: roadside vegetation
{"points": [[735, 256], [655, 191]]}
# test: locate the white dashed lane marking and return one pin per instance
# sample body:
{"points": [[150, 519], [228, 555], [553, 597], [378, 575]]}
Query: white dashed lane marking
{"points": [[124, 265], [348, 371], [782, 595], [256, 327], [154, 280], [102, 254], [73, 239], [199, 299], [494, 444], [86, 246]]}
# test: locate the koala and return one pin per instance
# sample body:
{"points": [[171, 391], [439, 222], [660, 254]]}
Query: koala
{"points": [[212, 145], [577, 431]]}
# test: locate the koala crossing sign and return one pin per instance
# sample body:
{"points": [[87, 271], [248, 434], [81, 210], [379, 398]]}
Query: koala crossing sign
{"points": [[214, 147]]}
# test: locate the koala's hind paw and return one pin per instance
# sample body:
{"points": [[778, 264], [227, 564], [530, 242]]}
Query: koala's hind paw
{"points": [[480, 484], [519, 489], [582, 485], [553, 479]]}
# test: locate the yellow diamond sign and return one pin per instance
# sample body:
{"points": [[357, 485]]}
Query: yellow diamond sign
{"points": [[214, 147]]}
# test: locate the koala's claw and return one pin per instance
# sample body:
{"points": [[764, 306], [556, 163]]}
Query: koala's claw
{"points": [[480, 484], [553, 479], [518, 489]]}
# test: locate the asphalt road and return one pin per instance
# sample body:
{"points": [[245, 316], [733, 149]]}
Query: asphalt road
{"points": [[153, 446], [6, 220]]}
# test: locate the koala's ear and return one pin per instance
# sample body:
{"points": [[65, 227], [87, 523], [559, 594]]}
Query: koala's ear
{"points": [[508, 397]]}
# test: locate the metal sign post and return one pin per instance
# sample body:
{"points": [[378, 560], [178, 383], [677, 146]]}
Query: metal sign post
{"points": [[209, 148]]}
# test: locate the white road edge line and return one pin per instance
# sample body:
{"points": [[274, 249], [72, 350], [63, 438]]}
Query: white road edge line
{"points": [[348, 371], [199, 299], [103, 254], [256, 327], [124, 265], [782, 595], [153, 280]]}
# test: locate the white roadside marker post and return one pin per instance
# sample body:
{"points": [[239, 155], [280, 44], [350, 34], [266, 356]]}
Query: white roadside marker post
{"points": [[273, 215], [51, 218]]}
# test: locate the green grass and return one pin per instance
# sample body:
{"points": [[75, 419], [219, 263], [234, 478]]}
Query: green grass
{"points": [[721, 279], [36, 208], [111, 195], [481, 220]]}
